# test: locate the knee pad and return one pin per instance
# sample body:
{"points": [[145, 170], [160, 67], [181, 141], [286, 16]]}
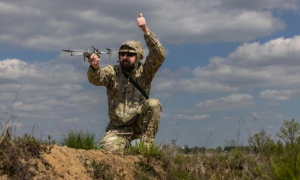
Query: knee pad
{"points": [[153, 104]]}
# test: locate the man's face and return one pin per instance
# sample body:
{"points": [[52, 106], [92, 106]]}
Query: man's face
{"points": [[127, 60]]}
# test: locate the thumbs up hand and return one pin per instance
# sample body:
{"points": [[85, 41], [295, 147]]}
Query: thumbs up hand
{"points": [[141, 21]]}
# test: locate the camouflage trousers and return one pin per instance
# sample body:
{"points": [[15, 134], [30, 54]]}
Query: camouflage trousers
{"points": [[145, 127]]}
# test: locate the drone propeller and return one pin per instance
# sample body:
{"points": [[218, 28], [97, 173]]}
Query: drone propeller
{"points": [[67, 50]]}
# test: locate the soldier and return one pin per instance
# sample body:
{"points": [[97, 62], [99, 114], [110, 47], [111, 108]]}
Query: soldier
{"points": [[132, 115]]}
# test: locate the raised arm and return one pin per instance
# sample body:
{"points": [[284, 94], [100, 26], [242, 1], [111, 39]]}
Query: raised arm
{"points": [[156, 54]]}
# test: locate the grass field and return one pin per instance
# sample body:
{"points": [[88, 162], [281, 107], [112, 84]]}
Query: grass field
{"points": [[262, 158]]}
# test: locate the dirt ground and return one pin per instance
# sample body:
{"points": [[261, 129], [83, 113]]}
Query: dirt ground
{"points": [[68, 163]]}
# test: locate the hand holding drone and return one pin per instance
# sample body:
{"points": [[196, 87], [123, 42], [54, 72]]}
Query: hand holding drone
{"points": [[87, 53]]}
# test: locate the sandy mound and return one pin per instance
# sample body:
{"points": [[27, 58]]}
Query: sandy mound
{"points": [[68, 163]]}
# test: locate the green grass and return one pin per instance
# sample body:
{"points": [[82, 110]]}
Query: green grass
{"points": [[180, 175], [270, 160], [79, 140], [101, 170], [152, 151], [278, 166], [144, 171]]}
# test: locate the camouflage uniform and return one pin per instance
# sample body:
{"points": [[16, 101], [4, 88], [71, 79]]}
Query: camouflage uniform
{"points": [[131, 115]]}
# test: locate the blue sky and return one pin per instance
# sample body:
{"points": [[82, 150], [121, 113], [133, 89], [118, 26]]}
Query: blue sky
{"points": [[232, 66]]}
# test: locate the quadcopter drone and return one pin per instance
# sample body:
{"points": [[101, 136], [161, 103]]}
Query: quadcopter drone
{"points": [[87, 53]]}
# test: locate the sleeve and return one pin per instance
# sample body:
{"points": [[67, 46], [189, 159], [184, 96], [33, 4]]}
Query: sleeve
{"points": [[102, 76], [155, 57]]}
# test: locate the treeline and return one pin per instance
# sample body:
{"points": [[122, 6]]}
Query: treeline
{"points": [[287, 137]]}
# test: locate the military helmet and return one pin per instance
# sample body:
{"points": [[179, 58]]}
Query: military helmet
{"points": [[132, 46]]}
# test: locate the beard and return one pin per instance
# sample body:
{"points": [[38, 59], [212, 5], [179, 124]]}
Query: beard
{"points": [[127, 66]]}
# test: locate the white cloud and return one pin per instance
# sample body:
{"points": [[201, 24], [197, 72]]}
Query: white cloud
{"points": [[71, 120], [233, 101], [252, 66], [192, 117], [255, 65], [48, 91], [196, 85], [48, 117], [281, 95], [275, 52], [27, 107], [10, 9], [167, 83], [56, 24], [165, 115], [12, 70], [14, 125], [258, 4], [164, 85], [234, 26], [254, 116], [279, 116]]}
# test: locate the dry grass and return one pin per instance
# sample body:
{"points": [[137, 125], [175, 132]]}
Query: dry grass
{"points": [[262, 159], [17, 152]]}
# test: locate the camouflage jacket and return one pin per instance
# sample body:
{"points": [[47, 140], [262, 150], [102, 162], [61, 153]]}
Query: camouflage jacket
{"points": [[124, 100]]}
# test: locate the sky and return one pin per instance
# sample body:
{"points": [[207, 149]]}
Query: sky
{"points": [[231, 69]]}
